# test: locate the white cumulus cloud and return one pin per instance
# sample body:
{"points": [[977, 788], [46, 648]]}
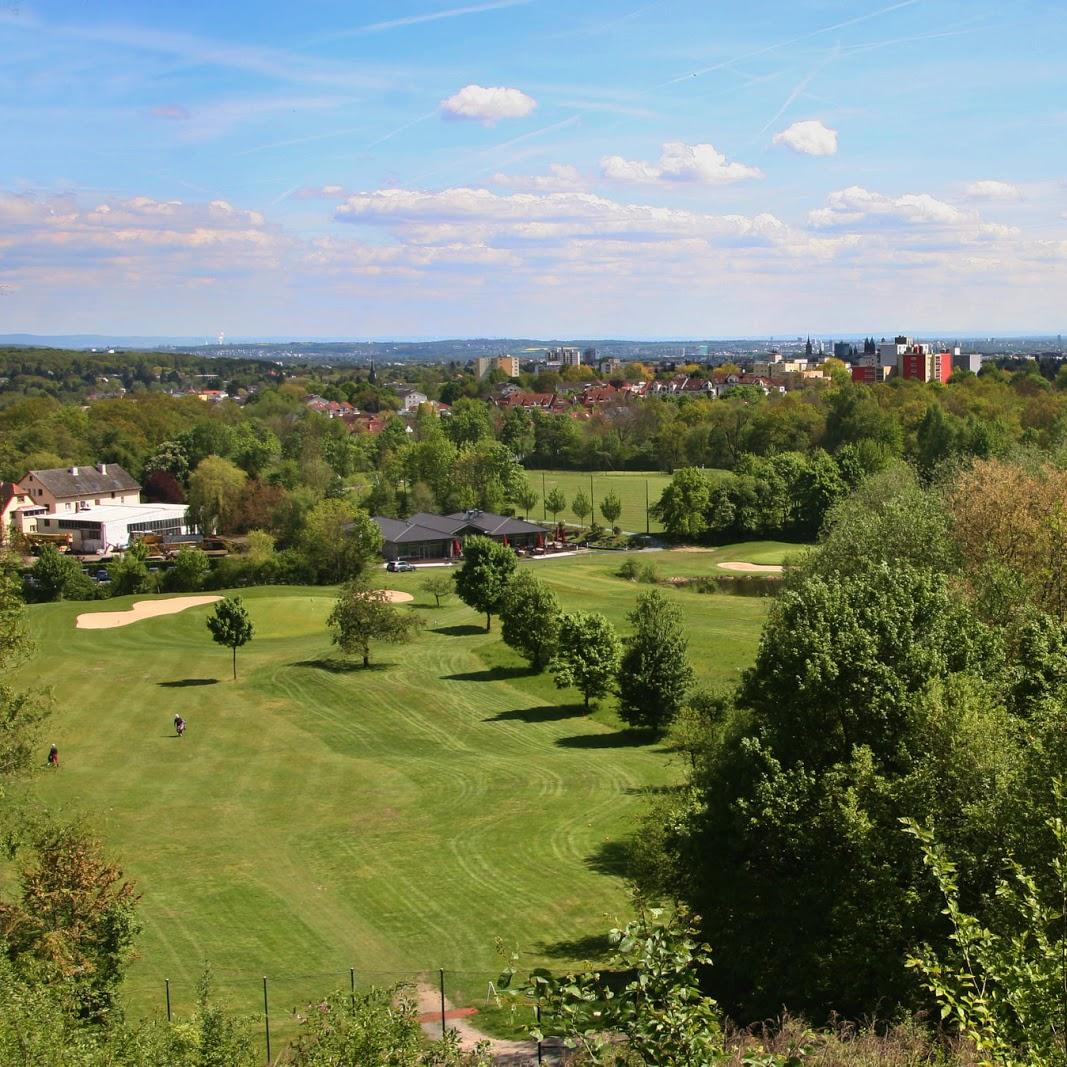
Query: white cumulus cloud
{"points": [[679, 162], [809, 138], [561, 178], [992, 190], [487, 105], [855, 205]]}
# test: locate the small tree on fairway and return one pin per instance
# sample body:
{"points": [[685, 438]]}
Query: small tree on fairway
{"points": [[362, 615], [611, 508], [555, 502], [655, 674], [526, 499], [588, 654], [439, 586], [483, 579], [581, 506], [530, 617], [231, 626]]}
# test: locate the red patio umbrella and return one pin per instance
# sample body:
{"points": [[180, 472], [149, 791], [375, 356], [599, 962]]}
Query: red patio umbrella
{"points": [[507, 543], [457, 548], [540, 540]]}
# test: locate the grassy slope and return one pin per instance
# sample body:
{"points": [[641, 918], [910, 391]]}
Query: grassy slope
{"points": [[315, 819]]}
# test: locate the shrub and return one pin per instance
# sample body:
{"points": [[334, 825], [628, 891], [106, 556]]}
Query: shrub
{"points": [[189, 573], [629, 570]]}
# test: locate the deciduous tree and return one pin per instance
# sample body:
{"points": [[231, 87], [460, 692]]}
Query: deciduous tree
{"points": [[440, 586], [20, 713], [215, 493], [588, 654], [581, 506], [363, 614], [526, 499], [55, 574], [683, 505], [340, 540], [1013, 517], [555, 502], [189, 571], [611, 507], [129, 573], [530, 619], [231, 626], [483, 579], [73, 917], [654, 674]]}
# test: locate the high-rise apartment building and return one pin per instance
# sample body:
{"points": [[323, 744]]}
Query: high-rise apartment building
{"points": [[567, 357], [508, 364]]}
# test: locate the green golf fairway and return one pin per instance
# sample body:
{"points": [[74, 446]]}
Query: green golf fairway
{"points": [[317, 817]]}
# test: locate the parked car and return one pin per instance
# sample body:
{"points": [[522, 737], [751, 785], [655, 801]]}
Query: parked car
{"points": [[399, 565]]}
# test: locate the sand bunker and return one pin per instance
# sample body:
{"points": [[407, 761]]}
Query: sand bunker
{"points": [[753, 568], [396, 597], [143, 609]]}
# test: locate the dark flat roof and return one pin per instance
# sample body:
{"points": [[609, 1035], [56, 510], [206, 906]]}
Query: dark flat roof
{"points": [[424, 526]]}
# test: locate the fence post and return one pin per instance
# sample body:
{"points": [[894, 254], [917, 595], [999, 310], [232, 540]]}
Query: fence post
{"points": [[442, 973], [167, 981], [266, 1018], [538, 1010], [352, 983]]}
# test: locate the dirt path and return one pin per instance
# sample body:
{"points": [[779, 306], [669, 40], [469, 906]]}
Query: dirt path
{"points": [[505, 1053], [143, 609], [753, 568]]}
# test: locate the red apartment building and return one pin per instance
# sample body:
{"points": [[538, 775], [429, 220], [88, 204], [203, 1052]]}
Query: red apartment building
{"points": [[926, 366]]}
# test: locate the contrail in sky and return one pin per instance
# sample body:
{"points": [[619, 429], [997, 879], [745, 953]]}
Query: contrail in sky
{"points": [[785, 44], [401, 129], [414, 20]]}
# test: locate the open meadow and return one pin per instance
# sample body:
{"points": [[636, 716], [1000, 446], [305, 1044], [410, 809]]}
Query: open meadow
{"points": [[318, 817]]}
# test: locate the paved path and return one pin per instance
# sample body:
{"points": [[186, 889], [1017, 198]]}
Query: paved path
{"points": [[505, 1053]]}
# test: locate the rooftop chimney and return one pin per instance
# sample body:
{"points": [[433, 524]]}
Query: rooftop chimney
{"points": [[102, 468], [74, 471]]}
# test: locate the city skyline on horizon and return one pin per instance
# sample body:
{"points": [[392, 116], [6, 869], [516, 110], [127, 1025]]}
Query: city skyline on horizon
{"points": [[433, 169]]}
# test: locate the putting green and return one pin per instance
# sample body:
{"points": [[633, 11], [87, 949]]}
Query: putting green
{"points": [[317, 817]]}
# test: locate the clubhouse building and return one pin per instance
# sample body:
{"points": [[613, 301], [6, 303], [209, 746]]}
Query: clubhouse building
{"points": [[426, 536]]}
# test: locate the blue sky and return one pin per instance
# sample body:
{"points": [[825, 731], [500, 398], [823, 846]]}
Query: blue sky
{"points": [[533, 167]]}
